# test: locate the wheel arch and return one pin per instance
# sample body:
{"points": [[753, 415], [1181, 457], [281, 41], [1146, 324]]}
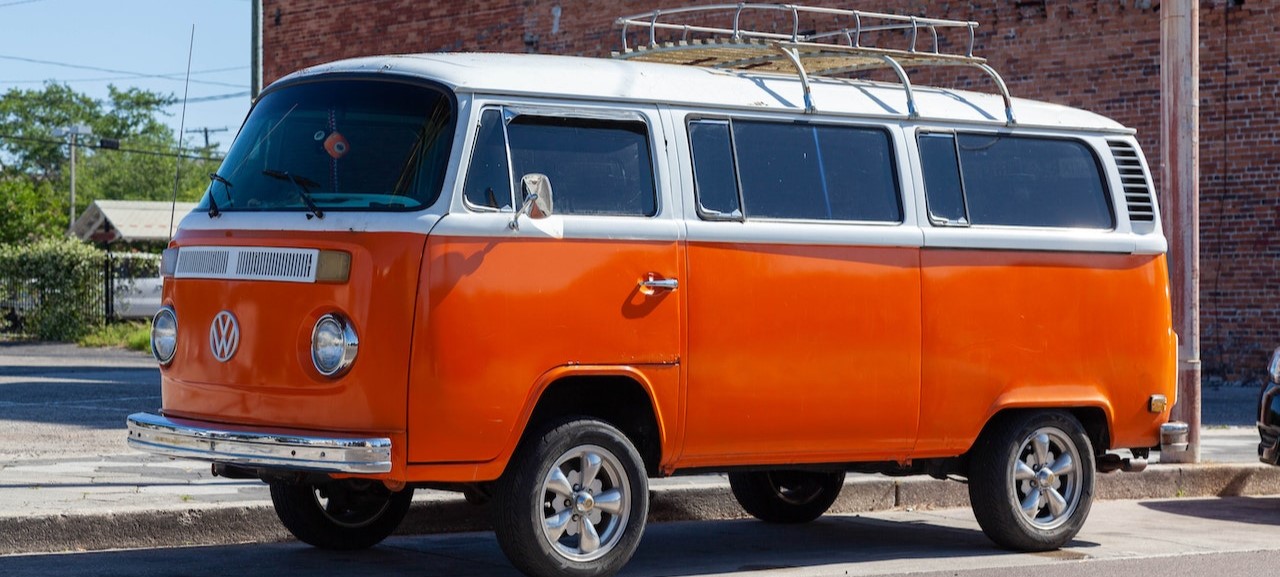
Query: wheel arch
{"points": [[620, 396], [1095, 419]]}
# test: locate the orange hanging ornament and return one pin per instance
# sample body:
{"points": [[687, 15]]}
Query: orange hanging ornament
{"points": [[336, 145]]}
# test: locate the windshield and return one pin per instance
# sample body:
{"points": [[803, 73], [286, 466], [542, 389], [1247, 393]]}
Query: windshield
{"points": [[337, 145]]}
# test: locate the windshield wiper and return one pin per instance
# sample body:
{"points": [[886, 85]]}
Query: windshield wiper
{"points": [[213, 205], [303, 185]]}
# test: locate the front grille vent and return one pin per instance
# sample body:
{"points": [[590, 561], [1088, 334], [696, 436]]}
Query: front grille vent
{"points": [[248, 263], [273, 263], [1137, 187], [195, 262]]}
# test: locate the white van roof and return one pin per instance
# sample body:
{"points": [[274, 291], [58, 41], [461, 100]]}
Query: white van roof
{"points": [[621, 80]]}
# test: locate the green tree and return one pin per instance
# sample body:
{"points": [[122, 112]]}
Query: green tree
{"points": [[34, 176], [32, 210]]}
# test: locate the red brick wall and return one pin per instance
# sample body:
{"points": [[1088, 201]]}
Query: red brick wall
{"points": [[1102, 55]]}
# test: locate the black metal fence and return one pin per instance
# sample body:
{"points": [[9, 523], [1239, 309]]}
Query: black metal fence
{"points": [[126, 286]]}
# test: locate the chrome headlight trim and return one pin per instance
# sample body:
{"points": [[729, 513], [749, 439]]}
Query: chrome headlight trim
{"points": [[1274, 368], [333, 345], [164, 335]]}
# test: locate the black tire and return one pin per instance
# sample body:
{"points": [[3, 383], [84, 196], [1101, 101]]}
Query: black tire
{"points": [[355, 514], [527, 498], [1006, 472], [786, 496]]}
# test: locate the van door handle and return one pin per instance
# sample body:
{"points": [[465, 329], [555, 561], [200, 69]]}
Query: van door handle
{"points": [[653, 284]]}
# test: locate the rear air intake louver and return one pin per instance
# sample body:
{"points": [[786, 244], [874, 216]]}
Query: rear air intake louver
{"points": [[1137, 189]]}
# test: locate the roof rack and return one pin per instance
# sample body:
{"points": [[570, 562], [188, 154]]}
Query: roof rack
{"points": [[823, 52]]}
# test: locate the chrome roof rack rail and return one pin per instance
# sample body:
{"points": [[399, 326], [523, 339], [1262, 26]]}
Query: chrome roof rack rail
{"points": [[841, 49]]}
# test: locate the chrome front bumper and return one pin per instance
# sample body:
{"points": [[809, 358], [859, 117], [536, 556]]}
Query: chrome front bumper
{"points": [[207, 442]]}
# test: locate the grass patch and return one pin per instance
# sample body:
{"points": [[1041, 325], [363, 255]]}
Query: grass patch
{"points": [[134, 335]]}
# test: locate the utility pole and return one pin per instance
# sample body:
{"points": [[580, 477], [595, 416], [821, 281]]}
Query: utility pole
{"points": [[74, 132], [1180, 183], [206, 130], [255, 49]]}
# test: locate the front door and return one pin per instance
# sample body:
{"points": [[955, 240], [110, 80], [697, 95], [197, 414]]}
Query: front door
{"points": [[509, 299]]}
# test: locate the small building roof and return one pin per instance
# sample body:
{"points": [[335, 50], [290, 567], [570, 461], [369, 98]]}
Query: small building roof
{"points": [[108, 221]]}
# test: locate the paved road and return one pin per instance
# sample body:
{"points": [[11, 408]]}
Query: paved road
{"points": [[59, 401], [1164, 537]]}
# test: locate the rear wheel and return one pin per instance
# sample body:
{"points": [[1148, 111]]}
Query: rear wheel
{"points": [[572, 502], [786, 496], [1031, 480], [351, 514]]}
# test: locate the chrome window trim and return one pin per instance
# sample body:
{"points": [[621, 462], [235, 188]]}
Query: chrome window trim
{"points": [[891, 142], [511, 112], [1088, 144]]}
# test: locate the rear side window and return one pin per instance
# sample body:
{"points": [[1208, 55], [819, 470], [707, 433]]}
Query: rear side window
{"points": [[774, 170], [1013, 181], [596, 167]]}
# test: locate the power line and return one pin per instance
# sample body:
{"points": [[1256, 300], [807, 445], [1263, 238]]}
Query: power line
{"points": [[119, 148], [217, 97], [7, 4], [111, 78], [114, 70]]}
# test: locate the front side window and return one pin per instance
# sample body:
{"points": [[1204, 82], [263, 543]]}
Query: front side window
{"points": [[596, 167], [338, 145], [1013, 181]]}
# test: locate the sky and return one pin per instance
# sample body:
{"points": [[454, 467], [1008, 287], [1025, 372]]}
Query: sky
{"points": [[89, 44]]}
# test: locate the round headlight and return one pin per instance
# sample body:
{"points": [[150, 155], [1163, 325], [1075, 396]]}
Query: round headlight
{"points": [[1274, 367], [164, 335], [333, 345]]}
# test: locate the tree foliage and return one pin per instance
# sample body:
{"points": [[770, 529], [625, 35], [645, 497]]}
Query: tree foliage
{"points": [[34, 164]]}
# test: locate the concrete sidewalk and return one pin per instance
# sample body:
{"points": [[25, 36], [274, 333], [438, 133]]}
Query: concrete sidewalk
{"points": [[86, 490]]}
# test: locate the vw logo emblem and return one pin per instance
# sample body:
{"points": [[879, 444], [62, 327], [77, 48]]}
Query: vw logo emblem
{"points": [[224, 336]]}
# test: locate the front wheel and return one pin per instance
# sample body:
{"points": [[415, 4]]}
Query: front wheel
{"points": [[786, 496], [572, 502], [1031, 480], [344, 515]]}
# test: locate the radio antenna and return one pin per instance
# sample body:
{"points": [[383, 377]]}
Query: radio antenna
{"points": [[182, 124]]}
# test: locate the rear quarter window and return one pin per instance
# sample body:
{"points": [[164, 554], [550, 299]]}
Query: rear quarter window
{"points": [[1014, 181]]}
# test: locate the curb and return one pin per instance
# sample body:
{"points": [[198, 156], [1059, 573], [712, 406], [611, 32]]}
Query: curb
{"points": [[257, 523]]}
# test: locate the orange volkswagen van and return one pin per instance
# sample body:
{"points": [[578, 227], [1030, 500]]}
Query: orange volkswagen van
{"points": [[548, 279]]}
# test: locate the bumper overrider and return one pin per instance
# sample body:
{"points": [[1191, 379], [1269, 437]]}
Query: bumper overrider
{"points": [[190, 439]]}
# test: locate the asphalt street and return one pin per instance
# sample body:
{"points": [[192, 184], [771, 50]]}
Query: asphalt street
{"points": [[59, 401], [1223, 536]]}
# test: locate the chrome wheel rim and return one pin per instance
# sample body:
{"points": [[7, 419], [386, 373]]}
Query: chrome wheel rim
{"points": [[585, 502], [346, 510], [1046, 483]]}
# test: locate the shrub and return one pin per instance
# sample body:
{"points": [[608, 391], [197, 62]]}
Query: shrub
{"points": [[55, 286]]}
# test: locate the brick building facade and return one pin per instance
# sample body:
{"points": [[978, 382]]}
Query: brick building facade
{"points": [[1102, 55]]}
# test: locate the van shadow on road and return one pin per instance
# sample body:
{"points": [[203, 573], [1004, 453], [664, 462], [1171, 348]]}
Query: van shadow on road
{"points": [[80, 395], [1256, 510], [668, 550]]}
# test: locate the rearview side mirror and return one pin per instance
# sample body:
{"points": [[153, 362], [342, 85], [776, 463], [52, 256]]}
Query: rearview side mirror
{"points": [[536, 189]]}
